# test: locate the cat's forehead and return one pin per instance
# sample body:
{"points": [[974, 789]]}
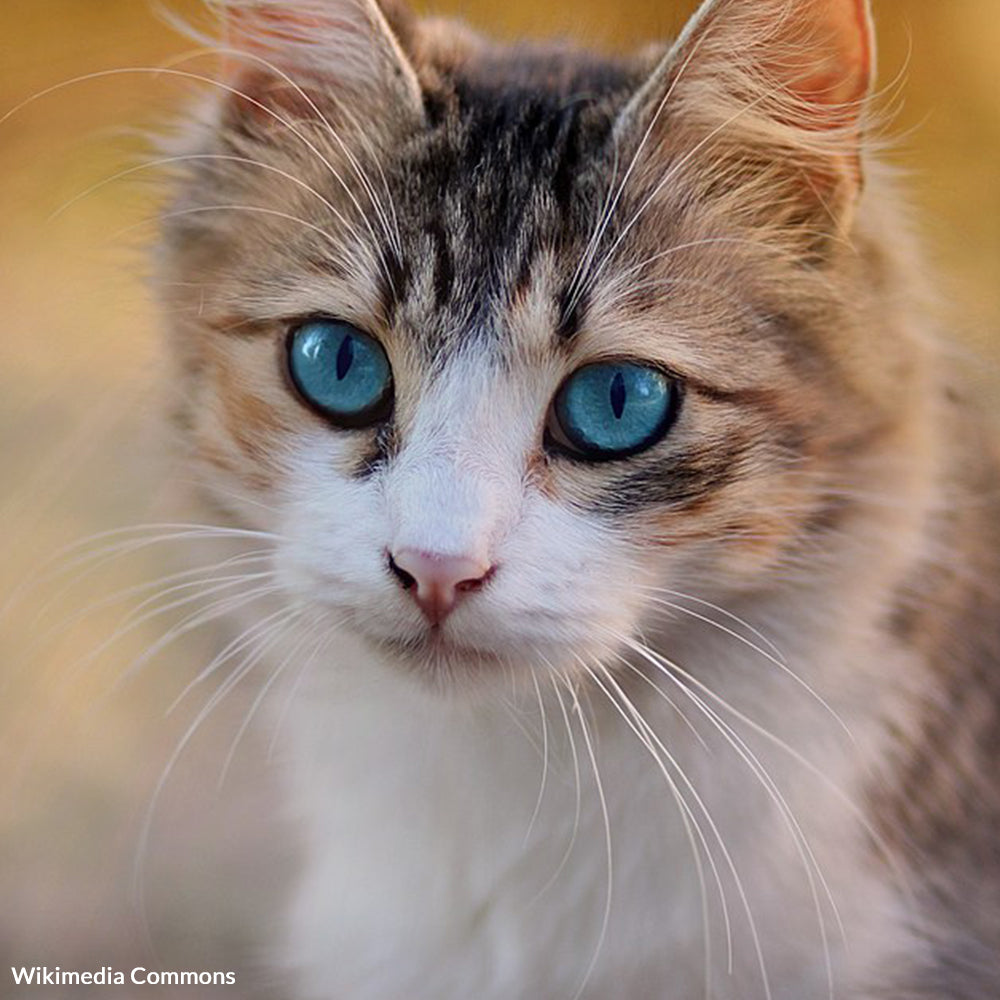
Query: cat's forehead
{"points": [[500, 221], [498, 194]]}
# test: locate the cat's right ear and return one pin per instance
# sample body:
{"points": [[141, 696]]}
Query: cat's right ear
{"points": [[285, 56]]}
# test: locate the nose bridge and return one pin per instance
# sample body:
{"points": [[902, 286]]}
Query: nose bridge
{"points": [[450, 488], [440, 506]]}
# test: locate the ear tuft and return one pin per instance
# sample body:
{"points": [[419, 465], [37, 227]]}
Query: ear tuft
{"points": [[826, 57]]}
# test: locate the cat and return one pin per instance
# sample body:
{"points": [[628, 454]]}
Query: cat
{"points": [[637, 546]]}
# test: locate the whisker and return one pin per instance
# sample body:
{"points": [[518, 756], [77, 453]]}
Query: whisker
{"points": [[310, 634], [192, 578], [545, 758], [142, 841], [166, 161], [167, 532], [606, 916], [663, 694], [253, 209], [131, 623], [579, 283], [514, 715], [210, 613], [563, 861], [688, 819], [321, 647], [780, 664], [263, 626], [203, 616], [391, 233], [736, 619], [202, 78], [703, 808], [744, 899], [856, 811], [673, 171], [806, 854], [626, 273]]}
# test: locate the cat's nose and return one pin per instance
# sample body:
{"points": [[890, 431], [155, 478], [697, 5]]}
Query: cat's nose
{"points": [[437, 581]]}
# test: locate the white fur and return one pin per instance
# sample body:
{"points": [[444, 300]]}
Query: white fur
{"points": [[421, 882]]}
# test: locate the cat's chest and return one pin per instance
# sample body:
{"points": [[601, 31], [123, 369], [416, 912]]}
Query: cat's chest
{"points": [[497, 848], [444, 849]]}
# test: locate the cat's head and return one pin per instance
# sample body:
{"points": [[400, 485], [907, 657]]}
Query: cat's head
{"points": [[501, 340]]}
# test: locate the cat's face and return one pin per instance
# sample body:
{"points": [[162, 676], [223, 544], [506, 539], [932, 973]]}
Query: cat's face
{"points": [[500, 345]]}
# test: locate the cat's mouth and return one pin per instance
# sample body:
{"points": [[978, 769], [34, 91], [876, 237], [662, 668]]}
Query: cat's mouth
{"points": [[436, 647]]}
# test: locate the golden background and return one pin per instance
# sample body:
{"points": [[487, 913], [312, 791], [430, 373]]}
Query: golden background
{"points": [[78, 375]]}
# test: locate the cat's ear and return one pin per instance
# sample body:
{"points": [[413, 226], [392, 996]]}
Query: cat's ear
{"points": [[283, 54], [771, 91]]}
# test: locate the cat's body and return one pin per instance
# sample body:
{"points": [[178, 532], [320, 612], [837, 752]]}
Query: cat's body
{"points": [[801, 555]]}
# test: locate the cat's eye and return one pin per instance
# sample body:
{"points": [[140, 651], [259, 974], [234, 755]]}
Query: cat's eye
{"points": [[612, 410], [340, 371]]}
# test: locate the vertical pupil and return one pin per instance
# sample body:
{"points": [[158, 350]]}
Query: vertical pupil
{"points": [[345, 357], [618, 395]]}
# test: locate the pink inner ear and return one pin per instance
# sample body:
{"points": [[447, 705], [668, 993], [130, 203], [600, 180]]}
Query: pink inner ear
{"points": [[833, 64]]}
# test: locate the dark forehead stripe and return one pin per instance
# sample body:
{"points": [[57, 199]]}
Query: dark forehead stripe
{"points": [[444, 264], [509, 165], [529, 255], [393, 282]]}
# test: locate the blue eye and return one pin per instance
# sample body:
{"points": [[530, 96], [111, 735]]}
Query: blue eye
{"points": [[340, 371], [612, 410]]}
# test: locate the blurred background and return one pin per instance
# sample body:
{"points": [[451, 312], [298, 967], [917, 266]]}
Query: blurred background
{"points": [[80, 756]]}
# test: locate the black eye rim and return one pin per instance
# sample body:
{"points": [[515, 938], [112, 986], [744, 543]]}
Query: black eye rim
{"points": [[597, 456], [378, 413]]}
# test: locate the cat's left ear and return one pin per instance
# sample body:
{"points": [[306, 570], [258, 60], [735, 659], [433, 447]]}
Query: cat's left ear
{"points": [[770, 93], [351, 49]]}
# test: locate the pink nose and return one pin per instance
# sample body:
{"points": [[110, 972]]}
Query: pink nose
{"points": [[435, 581]]}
